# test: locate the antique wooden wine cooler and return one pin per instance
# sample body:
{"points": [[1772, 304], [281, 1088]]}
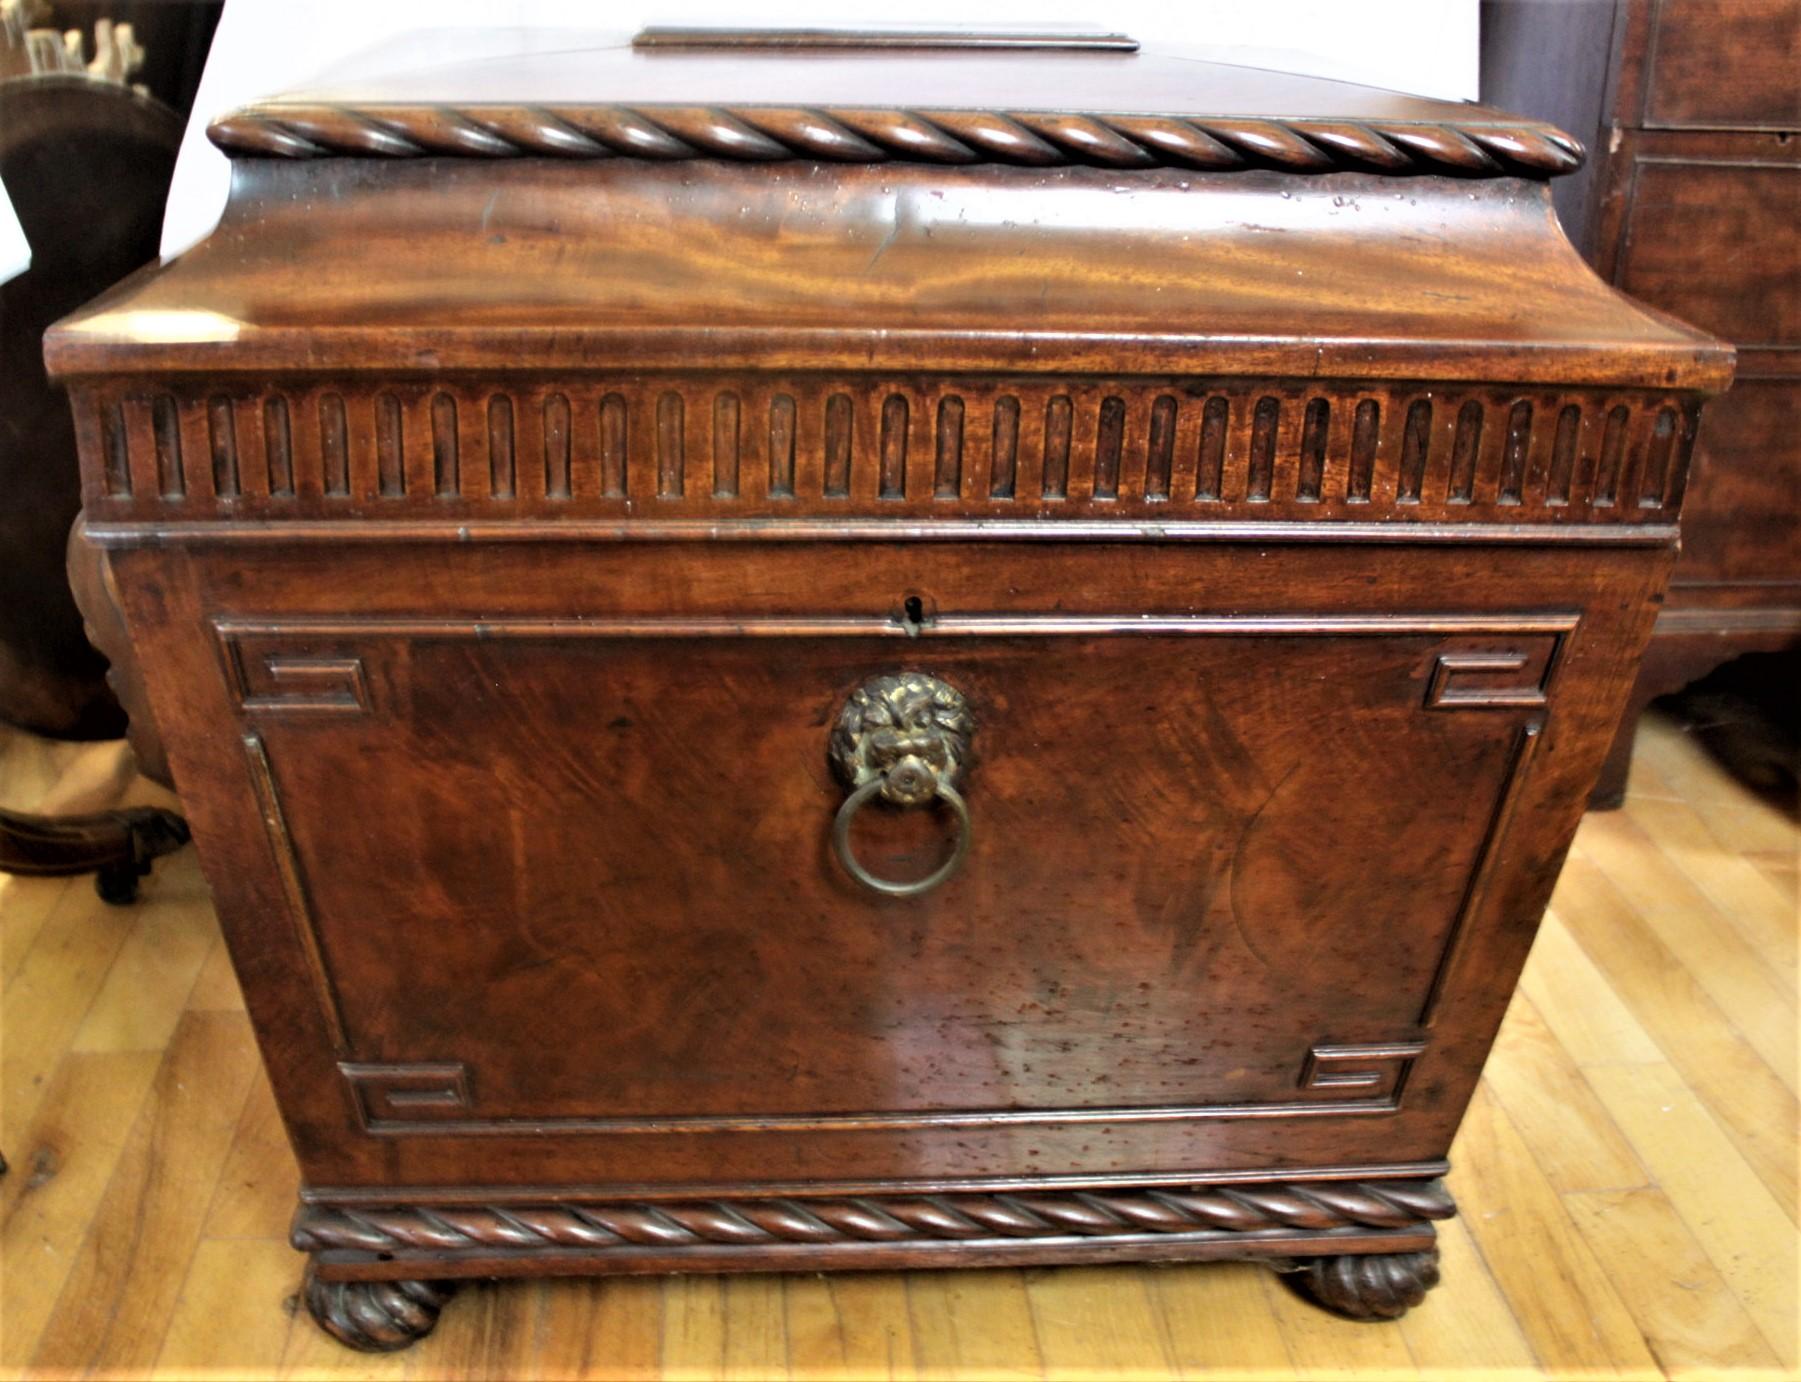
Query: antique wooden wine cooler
{"points": [[806, 651]]}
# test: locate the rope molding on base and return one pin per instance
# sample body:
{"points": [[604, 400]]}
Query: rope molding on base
{"points": [[1309, 1206], [761, 134]]}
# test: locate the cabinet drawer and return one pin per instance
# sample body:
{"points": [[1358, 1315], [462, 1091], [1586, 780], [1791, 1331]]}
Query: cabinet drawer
{"points": [[1737, 219], [1741, 523], [1716, 63]]}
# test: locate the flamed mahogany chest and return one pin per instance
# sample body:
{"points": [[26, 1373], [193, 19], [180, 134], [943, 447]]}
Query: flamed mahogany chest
{"points": [[803, 651]]}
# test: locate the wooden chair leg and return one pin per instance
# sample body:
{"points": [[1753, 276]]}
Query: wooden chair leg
{"points": [[116, 846]]}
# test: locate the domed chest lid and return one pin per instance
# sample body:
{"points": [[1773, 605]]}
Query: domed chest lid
{"points": [[805, 201]]}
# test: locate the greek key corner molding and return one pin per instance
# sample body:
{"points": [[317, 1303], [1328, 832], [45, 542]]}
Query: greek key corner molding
{"points": [[1248, 1209], [764, 134]]}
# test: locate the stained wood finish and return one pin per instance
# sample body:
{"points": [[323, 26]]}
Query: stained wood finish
{"points": [[1286, 538], [103, 622], [604, 447], [1680, 79], [945, 256], [1696, 193], [1626, 1170], [324, 687]]}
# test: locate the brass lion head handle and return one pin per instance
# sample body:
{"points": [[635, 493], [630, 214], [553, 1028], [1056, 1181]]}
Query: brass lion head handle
{"points": [[904, 738]]}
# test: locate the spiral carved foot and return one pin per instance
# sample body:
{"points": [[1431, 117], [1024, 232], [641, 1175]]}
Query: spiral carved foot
{"points": [[375, 1316], [1369, 1286]]}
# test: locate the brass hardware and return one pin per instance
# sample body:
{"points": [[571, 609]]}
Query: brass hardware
{"points": [[905, 739], [1070, 38]]}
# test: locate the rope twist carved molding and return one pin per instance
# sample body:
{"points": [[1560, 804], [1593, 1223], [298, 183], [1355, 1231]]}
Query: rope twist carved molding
{"points": [[760, 134], [1313, 1207]]}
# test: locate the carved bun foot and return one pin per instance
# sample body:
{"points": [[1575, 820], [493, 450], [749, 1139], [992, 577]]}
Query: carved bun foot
{"points": [[376, 1316], [1370, 1286]]}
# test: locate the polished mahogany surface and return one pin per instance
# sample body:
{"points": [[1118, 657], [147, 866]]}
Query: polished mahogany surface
{"points": [[1228, 576], [600, 887], [627, 264]]}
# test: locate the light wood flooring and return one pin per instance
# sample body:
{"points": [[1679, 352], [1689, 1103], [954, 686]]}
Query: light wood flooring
{"points": [[1627, 1173]]}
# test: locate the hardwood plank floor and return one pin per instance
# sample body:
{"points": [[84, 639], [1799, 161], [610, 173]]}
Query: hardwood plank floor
{"points": [[1627, 1173]]}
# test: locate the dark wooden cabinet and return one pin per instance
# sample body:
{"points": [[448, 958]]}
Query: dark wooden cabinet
{"points": [[1692, 204], [880, 681]]}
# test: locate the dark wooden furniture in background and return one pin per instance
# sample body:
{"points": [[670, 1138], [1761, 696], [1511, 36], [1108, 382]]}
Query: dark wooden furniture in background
{"points": [[1692, 203], [879, 658], [117, 847], [86, 160]]}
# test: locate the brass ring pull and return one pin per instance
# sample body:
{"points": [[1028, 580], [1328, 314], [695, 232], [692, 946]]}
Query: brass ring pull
{"points": [[846, 856], [905, 739]]}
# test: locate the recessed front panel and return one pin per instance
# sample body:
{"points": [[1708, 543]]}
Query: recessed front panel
{"points": [[611, 866]]}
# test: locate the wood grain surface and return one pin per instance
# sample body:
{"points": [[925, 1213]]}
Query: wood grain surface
{"points": [[500, 538], [1626, 1171]]}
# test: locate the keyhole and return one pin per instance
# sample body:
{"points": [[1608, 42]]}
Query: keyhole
{"points": [[913, 613]]}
